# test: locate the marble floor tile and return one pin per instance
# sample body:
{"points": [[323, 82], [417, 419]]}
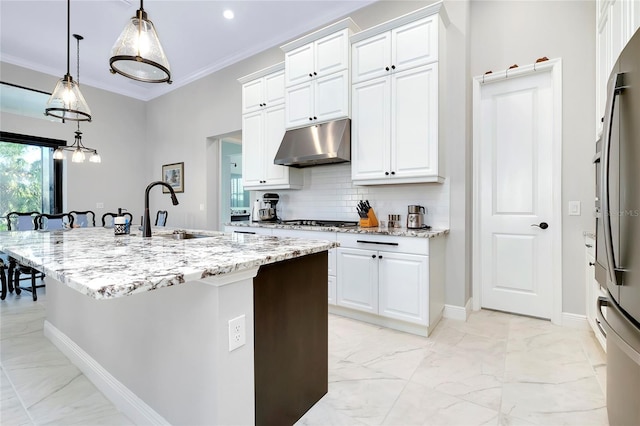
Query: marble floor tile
{"points": [[12, 412], [493, 369]]}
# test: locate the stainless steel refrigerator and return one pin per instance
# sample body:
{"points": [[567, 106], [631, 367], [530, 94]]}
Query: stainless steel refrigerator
{"points": [[618, 236]]}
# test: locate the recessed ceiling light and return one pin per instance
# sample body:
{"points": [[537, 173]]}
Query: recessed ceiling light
{"points": [[228, 14]]}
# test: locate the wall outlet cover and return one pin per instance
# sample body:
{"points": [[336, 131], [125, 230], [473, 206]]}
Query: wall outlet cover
{"points": [[237, 332]]}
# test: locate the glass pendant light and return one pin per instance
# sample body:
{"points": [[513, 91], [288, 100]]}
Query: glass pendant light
{"points": [[77, 147], [66, 102], [138, 54]]}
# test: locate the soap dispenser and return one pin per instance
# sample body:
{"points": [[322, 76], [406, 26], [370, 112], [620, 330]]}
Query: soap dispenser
{"points": [[121, 223]]}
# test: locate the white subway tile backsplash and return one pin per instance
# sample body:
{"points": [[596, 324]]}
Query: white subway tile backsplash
{"points": [[328, 193]]}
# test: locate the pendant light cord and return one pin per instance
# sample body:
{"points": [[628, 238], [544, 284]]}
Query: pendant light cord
{"points": [[68, 32]]}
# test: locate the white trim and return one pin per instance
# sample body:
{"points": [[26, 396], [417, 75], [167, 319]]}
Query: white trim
{"points": [[575, 321], [555, 67], [460, 313], [124, 400]]}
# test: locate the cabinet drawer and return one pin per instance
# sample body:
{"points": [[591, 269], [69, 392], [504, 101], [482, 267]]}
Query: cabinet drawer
{"points": [[248, 230], [590, 246], [385, 243]]}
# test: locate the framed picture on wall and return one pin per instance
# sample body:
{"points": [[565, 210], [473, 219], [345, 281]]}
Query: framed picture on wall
{"points": [[173, 174]]}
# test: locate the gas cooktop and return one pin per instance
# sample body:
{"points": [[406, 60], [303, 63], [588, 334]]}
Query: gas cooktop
{"points": [[321, 222]]}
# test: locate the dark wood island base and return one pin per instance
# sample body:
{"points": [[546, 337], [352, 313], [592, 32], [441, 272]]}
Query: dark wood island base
{"points": [[291, 338]]}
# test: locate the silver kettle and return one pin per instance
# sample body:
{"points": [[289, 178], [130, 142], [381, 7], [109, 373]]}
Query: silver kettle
{"points": [[415, 217]]}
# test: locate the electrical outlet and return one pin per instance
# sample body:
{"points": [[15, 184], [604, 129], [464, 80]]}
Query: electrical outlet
{"points": [[237, 332], [99, 205]]}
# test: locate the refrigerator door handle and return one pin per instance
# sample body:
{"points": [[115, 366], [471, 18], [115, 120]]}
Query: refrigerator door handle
{"points": [[612, 333], [614, 91]]}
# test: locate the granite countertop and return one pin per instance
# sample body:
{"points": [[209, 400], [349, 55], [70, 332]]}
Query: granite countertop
{"points": [[103, 266], [398, 232]]}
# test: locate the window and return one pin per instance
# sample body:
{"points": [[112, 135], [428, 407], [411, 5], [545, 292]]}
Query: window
{"points": [[29, 178]]}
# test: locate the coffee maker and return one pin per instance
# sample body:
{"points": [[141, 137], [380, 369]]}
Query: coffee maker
{"points": [[269, 213], [415, 217]]}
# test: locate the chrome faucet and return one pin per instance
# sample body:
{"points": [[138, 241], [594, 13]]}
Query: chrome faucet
{"points": [[146, 226]]}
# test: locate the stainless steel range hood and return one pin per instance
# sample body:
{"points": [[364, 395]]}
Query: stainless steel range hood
{"points": [[324, 143]]}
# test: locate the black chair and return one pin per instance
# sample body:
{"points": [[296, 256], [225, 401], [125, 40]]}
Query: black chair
{"points": [[111, 216], [53, 222], [83, 219], [161, 218], [20, 221], [3, 279]]}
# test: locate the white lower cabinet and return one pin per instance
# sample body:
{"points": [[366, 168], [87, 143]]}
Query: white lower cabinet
{"points": [[393, 285], [593, 291], [397, 282]]}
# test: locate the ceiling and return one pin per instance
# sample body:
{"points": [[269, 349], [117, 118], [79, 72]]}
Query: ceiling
{"points": [[196, 38]]}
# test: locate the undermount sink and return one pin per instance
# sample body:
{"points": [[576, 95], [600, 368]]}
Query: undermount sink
{"points": [[183, 235]]}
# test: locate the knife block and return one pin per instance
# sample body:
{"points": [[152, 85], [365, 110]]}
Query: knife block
{"points": [[371, 221]]}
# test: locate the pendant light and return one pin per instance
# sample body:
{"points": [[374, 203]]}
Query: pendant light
{"points": [[138, 54], [66, 102], [77, 147]]}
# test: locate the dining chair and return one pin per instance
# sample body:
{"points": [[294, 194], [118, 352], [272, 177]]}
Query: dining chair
{"points": [[3, 279], [161, 218], [53, 222], [107, 219], [20, 221], [83, 219]]}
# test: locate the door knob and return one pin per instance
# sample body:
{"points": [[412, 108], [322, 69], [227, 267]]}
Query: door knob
{"points": [[542, 225]]}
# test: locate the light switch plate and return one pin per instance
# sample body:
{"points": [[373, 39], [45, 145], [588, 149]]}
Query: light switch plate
{"points": [[574, 208]]}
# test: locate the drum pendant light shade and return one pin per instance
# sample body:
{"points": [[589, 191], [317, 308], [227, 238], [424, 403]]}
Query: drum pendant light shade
{"points": [[138, 54]]}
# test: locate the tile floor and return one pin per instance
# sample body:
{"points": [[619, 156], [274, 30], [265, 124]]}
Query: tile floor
{"points": [[494, 369]]}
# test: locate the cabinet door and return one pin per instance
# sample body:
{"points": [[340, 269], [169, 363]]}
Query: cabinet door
{"points": [[414, 122], [331, 53], [404, 283], [299, 105], [273, 134], [252, 95], [371, 58], [273, 89], [332, 290], [370, 132], [298, 64], [415, 44], [331, 97], [252, 162], [357, 279]]}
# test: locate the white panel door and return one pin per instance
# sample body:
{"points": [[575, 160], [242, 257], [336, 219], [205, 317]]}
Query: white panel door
{"points": [[370, 134], [404, 282], [331, 97], [370, 58], [252, 156], [299, 105], [516, 193], [273, 134], [298, 64], [415, 44], [331, 53], [414, 122], [273, 89], [357, 279]]}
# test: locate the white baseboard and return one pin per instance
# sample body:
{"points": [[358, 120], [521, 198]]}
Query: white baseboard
{"points": [[575, 321], [460, 313], [124, 400]]}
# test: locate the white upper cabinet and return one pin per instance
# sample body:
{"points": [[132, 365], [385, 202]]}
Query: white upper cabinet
{"points": [[319, 100], [317, 75], [395, 134], [318, 58], [398, 49], [263, 92], [263, 127]]}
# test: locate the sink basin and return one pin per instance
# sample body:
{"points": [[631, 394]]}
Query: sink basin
{"points": [[183, 236]]}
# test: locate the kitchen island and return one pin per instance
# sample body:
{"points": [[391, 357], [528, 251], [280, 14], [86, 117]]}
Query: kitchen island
{"points": [[147, 320]]}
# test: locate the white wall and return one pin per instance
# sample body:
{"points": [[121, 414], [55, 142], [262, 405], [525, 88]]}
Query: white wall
{"points": [[509, 32], [117, 132]]}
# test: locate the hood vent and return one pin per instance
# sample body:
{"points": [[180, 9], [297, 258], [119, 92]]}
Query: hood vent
{"points": [[324, 143]]}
